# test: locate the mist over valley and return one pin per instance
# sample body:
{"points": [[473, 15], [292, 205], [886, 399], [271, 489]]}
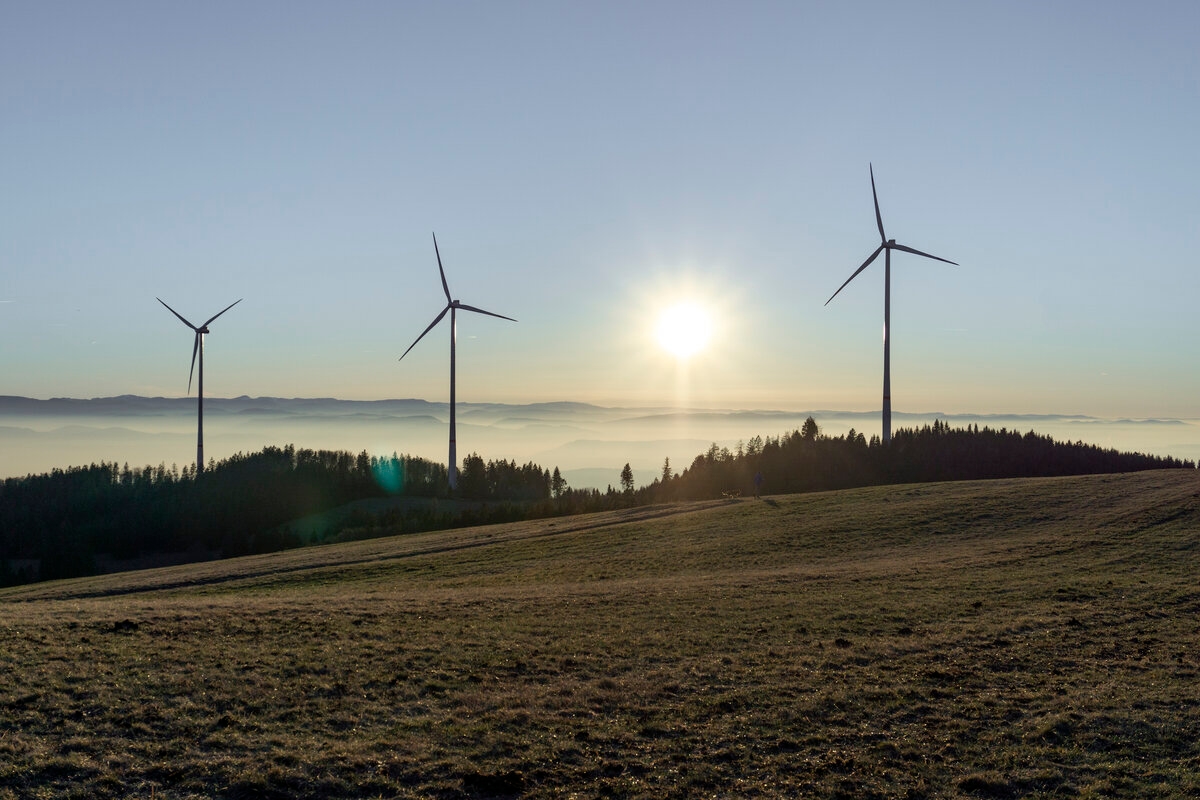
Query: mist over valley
{"points": [[589, 443]]}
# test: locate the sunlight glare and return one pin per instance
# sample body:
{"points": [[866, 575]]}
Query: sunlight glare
{"points": [[683, 329]]}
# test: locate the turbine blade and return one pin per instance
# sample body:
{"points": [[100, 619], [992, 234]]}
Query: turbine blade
{"points": [[878, 217], [442, 272], [195, 349], [919, 253], [865, 264], [481, 311], [436, 320], [222, 311], [176, 313]]}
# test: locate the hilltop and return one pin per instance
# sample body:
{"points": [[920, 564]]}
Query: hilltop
{"points": [[105, 517], [1005, 638]]}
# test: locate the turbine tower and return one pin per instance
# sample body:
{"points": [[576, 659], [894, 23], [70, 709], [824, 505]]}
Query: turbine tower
{"points": [[452, 306], [198, 348], [886, 245]]}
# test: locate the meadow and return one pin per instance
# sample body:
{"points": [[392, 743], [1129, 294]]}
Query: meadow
{"points": [[992, 639]]}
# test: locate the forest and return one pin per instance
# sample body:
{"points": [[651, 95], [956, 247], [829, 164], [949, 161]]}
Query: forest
{"points": [[806, 461], [72, 521]]}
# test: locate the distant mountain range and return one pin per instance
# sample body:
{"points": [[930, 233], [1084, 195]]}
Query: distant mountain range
{"points": [[589, 443], [136, 405]]}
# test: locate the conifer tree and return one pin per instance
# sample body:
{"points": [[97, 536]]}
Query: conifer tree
{"points": [[627, 479]]}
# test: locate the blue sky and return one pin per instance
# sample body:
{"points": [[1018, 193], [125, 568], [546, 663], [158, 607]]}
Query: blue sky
{"points": [[586, 166]]}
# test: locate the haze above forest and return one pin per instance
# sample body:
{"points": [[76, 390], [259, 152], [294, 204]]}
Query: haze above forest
{"points": [[589, 443]]}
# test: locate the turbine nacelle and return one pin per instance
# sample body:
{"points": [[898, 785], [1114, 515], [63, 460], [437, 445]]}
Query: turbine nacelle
{"points": [[451, 305], [200, 331], [885, 244]]}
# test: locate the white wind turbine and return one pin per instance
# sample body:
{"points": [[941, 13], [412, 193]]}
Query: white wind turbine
{"points": [[198, 348], [452, 306], [887, 246]]}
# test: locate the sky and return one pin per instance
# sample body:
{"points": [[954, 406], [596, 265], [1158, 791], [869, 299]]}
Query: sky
{"points": [[587, 166]]}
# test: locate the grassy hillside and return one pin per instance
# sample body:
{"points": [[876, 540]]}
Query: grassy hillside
{"points": [[993, 639]]}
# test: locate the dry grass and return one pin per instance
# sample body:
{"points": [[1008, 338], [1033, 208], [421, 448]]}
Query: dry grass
{"points": [[1029, 638]]}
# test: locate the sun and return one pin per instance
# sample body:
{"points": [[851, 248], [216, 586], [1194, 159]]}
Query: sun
{"points": [[684, 329]]}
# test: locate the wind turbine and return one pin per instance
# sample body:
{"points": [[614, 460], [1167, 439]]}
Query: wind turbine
{"points": [[452, 306], [886, 245], [198, 347]]}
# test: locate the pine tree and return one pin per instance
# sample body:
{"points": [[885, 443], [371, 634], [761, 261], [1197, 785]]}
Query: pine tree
{"points": [[627, 479]]}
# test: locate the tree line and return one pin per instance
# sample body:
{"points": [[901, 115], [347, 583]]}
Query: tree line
{"points": [[807, 460], [54, 525], [57, 524]]}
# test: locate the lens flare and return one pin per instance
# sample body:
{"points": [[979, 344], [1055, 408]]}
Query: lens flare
{"points": [[389, 474]]}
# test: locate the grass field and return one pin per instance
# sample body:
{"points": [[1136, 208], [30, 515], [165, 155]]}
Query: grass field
{"points": [[1032, 638]]}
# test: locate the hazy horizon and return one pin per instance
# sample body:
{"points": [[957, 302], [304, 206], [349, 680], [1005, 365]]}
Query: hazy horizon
{"points": [[588, 442]]}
